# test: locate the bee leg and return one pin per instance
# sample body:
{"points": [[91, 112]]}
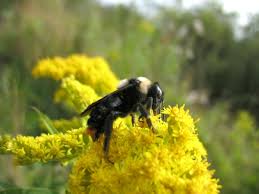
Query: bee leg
{"points": [[132, 119], [163, 116], [108, 130], [146, 115], [149, 103], [96, 136]]}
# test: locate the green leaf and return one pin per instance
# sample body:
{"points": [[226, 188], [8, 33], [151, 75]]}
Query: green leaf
{"points": [[46, 121]]}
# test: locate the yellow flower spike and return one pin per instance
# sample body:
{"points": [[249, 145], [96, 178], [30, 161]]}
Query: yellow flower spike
{"points": [[92, 71], [61, 96], [58, 147], [144, 162], [77, 94]]}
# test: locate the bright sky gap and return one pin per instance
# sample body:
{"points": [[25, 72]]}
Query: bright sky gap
{"points": [[244, 9]]}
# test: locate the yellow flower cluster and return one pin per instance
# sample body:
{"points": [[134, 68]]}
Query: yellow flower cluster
{"points": [[92, 71], [171, 161], [75, 94], [60, 147]]}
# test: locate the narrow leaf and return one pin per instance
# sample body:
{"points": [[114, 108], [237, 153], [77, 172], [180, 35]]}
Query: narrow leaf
{"points": [[46, 121]]}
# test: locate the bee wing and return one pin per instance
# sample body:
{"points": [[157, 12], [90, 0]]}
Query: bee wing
{"points": [[96, 103], [91, 106]]}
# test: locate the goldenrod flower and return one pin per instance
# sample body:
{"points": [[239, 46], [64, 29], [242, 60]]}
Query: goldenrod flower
{"points": [[60, 147], [75, 94], [171, 161], [92, 71]]}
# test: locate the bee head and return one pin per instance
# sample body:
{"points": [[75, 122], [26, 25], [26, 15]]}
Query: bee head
{"points": [[157, 95]]}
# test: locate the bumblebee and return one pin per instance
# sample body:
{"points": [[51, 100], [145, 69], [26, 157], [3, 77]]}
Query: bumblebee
{"points": [[132, 96]]}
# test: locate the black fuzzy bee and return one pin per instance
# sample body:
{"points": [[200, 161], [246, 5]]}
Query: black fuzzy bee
{"points": [[133, 95]]}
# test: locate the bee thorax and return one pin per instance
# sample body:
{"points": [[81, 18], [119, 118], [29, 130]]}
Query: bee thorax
{"points": [[123, 83], [144, 85]]}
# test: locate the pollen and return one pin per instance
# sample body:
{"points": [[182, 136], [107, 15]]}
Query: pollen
{"points": [[91, 132]]}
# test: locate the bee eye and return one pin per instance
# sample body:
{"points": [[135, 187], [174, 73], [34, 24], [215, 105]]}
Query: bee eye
{"points": [[159, 92]]}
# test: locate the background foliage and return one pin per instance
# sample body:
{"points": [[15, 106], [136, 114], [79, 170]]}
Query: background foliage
{"points": [[195, 54]]}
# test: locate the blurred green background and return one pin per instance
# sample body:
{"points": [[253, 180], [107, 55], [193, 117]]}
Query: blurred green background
{"points": [[200, 57]]}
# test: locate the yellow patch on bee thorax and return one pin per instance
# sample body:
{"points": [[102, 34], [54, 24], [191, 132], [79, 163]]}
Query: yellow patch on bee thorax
{"points": [[144, 85]]}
